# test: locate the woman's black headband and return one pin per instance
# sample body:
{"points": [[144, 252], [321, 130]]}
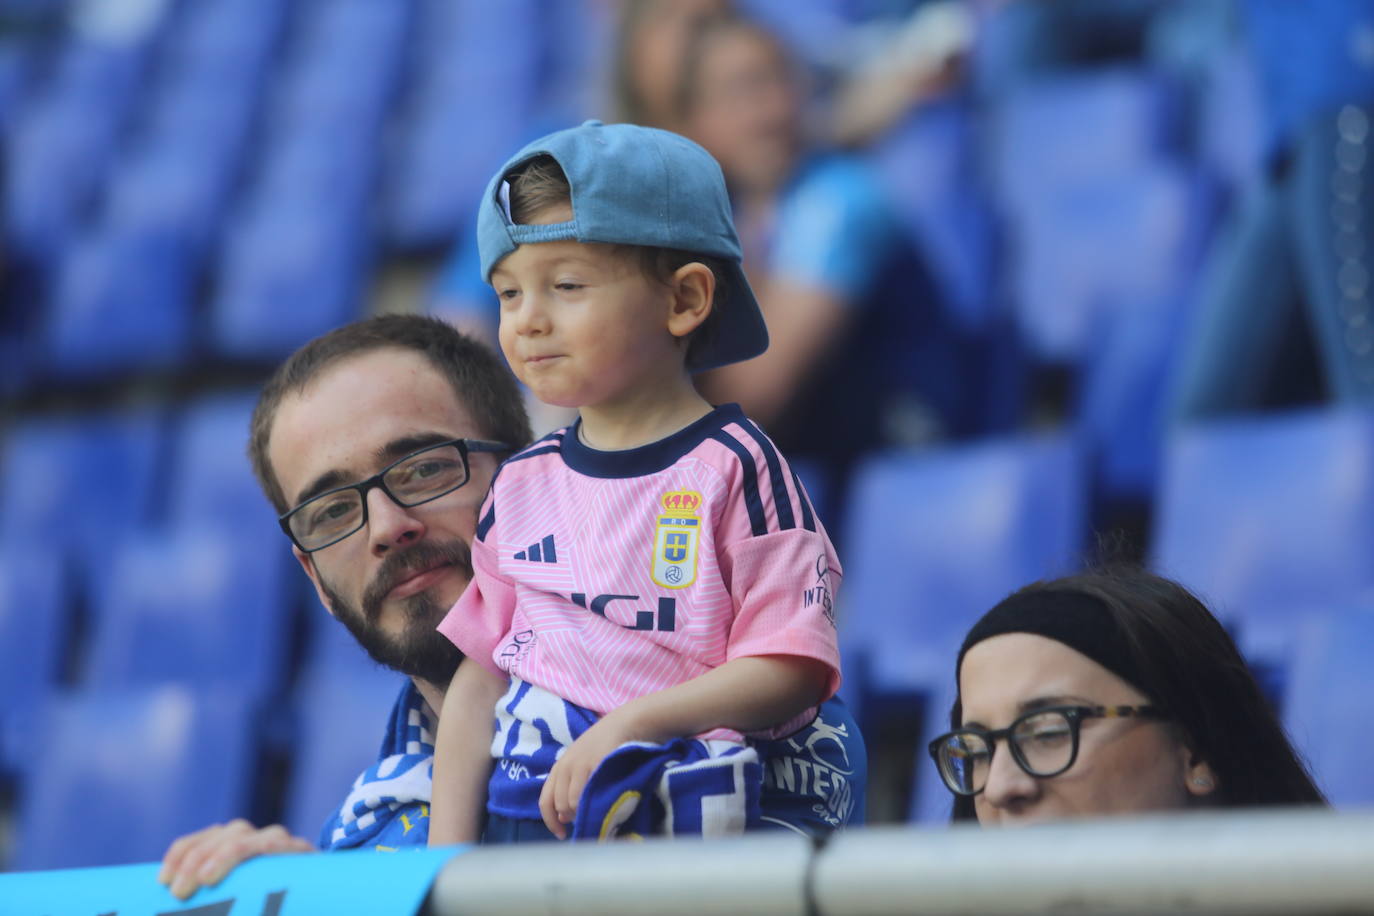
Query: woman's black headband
{"points": [[1079, 621]]}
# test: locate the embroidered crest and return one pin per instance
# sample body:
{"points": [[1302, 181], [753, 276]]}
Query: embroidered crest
{"points": [[675, 540]]}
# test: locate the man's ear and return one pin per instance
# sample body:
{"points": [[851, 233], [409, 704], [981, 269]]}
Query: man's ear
{"points": [[308, 564], [694, 293]]}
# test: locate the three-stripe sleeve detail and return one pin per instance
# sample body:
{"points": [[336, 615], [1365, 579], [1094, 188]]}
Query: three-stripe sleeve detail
{"points": [[782, 500], [758, 521], [808, 517]]}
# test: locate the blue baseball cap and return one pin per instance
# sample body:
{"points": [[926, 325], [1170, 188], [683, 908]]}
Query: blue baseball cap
{"points": [[635, 185]]}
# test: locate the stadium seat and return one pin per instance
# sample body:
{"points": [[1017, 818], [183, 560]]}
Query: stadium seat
{"points": [[119, 774], [1076, 129], [212, 483], [198, 606], [935, 538], [285, 276], [35, 626], [1122, 396], [340, 720], [927, 163], [1327, 708], [1081, 252], [931, 802], [1268, 515], [122, 303], [81, 481], [61, 143], [440, 165]]}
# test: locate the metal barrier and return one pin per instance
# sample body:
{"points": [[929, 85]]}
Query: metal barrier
{"points": [[1259, 862]]}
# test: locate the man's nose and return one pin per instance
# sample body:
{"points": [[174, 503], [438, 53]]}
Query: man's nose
{"points": [[389, 523], [1007, 782]]}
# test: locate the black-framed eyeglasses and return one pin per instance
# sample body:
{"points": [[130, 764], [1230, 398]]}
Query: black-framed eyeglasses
{"points": [[1043, 742], [419, 477]]}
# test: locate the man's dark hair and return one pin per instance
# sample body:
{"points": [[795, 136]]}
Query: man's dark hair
{"points": [[479, 379], [541, 183], [1191, 669]]}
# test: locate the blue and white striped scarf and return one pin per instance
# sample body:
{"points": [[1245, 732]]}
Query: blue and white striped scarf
{"points": [[389, 803]]}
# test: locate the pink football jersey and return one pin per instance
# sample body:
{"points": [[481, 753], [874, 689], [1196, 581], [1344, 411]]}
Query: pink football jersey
{"points": [[603, 576]]}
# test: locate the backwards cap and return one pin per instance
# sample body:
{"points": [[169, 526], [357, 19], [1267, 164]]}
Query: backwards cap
{"points": [[635, 185]]}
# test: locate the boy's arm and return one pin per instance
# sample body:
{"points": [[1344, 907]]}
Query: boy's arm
{"points": [[746, 694], [462, 755]]}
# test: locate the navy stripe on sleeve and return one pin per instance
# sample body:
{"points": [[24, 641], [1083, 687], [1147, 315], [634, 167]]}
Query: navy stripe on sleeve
{"points": [[487, 521], [808, 519], [781, 499], [758, 521]]}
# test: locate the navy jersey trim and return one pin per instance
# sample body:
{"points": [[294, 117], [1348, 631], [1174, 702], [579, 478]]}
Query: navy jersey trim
{"points": [[484, 526], [758, 521], [548, 445], [782, 500], [808, 517], [647, 459]]}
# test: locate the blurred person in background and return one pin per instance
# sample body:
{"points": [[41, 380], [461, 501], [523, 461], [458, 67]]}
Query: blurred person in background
{"points": [[347, 415], [1112, 692], [858, 334], [1286, 314]]}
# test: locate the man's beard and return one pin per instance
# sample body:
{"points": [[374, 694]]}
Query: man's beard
{"points": [[420, 650]]}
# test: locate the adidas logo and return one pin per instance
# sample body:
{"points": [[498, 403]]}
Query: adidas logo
{"points": [[542, 552]]}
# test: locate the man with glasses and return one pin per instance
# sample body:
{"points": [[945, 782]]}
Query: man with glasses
{"points": [[377, 443]]}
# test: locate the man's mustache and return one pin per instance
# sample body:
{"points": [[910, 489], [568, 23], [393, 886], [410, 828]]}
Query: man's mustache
{"points": [[402, 563]]}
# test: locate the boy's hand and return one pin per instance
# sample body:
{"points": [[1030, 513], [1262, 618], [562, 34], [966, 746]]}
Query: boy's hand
{"points": [[203, 858], [559, 797]]}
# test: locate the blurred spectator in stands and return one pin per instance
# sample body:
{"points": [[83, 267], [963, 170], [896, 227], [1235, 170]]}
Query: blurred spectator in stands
{"points": [[1110, 692], [1286, 313], [650, 41], [858, 336], [924, 58]]}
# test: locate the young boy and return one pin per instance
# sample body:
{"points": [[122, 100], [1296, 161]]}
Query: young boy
{"points": [[654, 571]]}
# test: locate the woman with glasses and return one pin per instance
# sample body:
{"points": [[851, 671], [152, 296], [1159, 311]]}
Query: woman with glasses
{"points": [[1109, 693]]}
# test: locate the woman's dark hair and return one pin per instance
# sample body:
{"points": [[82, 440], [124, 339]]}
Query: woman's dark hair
{"points": [[1189, 666]]}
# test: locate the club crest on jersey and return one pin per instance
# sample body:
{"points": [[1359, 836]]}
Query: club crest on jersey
{"points": [[675, 540]]}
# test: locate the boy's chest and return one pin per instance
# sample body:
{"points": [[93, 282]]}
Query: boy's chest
{"points": [[621, 543]]}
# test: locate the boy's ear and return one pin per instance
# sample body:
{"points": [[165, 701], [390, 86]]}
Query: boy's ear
{"points": [[694, 294]]}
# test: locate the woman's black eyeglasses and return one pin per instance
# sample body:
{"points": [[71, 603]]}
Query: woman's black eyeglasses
{"points": [[1043, 742]]}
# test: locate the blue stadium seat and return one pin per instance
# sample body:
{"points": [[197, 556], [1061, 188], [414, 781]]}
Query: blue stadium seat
{"points": [[1083, 251], [931, 802], [212, 483], [340, 720], [120, 774], [1076, 129], [83, 481], [1123, 393], [285, 276], [35, 626], [198, 606], [61, 144], [937, 537], [1267, 516], [1327, 708], [928, 166], [122, 303], [313, 170], [440, 163]]}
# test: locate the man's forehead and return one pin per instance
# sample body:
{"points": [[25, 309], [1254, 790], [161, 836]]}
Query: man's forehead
{"points": [[346, 417]]}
